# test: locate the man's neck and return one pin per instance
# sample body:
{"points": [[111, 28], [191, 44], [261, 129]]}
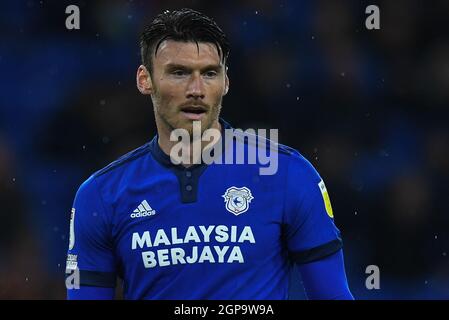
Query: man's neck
{"points": [[166, 145]]}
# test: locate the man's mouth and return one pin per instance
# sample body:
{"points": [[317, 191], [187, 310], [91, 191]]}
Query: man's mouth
{"points": [[193, 112]]}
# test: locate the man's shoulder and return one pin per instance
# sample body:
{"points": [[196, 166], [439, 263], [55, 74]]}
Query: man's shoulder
{"points": [[289, 151], [256, 140], [299, 167], [253, 138], [123, 161], [287, 155], [113, 173], [296, 161]]}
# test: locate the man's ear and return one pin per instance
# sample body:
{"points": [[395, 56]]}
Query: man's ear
{"points": [[143, 80], [226, 83]]}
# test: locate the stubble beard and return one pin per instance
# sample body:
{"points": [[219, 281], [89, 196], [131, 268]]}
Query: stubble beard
{"points": [[169, 125]]}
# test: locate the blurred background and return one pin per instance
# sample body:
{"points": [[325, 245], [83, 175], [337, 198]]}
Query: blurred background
{"points": [[368, 108]]}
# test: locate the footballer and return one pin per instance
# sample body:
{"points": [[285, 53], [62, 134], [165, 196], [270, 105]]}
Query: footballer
{"points": [[203, 230]]}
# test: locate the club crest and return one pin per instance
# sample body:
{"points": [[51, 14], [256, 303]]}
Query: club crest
{"points": [[237, 199]]}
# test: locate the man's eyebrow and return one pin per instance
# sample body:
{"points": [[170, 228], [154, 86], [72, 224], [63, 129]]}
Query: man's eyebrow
{"points": [[214, 67], [174, 66]]}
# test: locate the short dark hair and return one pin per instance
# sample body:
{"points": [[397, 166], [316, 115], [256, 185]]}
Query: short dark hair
{"points": [[185, 25]]}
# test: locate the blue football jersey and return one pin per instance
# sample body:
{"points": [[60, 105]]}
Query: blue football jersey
{"points": [[209, 231]]}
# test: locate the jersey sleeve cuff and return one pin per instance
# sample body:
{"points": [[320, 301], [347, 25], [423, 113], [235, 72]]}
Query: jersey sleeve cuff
{"points": [[97, 279], [317, 253]]}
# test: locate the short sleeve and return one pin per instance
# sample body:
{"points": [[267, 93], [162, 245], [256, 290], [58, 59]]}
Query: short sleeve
{"points": [[310, 231], [90, 244]]}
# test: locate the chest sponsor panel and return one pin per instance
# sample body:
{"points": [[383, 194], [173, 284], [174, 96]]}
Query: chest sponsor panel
{"points": [[192, 244]]}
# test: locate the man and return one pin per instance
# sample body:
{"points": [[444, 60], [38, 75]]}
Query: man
{"points": [[179, 230]]}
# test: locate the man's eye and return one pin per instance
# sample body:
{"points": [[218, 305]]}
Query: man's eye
{"points": [[179, 73], [211, 74]]}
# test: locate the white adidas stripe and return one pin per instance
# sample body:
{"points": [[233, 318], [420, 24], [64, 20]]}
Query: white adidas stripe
{"points": [[146, 205], [144, 209]]}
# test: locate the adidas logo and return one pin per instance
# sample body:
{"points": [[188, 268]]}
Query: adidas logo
{"points": [[143, 210]]}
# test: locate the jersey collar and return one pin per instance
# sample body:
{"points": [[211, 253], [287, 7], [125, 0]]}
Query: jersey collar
{"points": [[188, 178]]}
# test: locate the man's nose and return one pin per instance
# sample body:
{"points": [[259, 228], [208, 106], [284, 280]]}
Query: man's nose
{"points": [[195, 87]]}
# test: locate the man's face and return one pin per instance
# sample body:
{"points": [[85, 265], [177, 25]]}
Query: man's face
{"points": [[188, 84]]}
